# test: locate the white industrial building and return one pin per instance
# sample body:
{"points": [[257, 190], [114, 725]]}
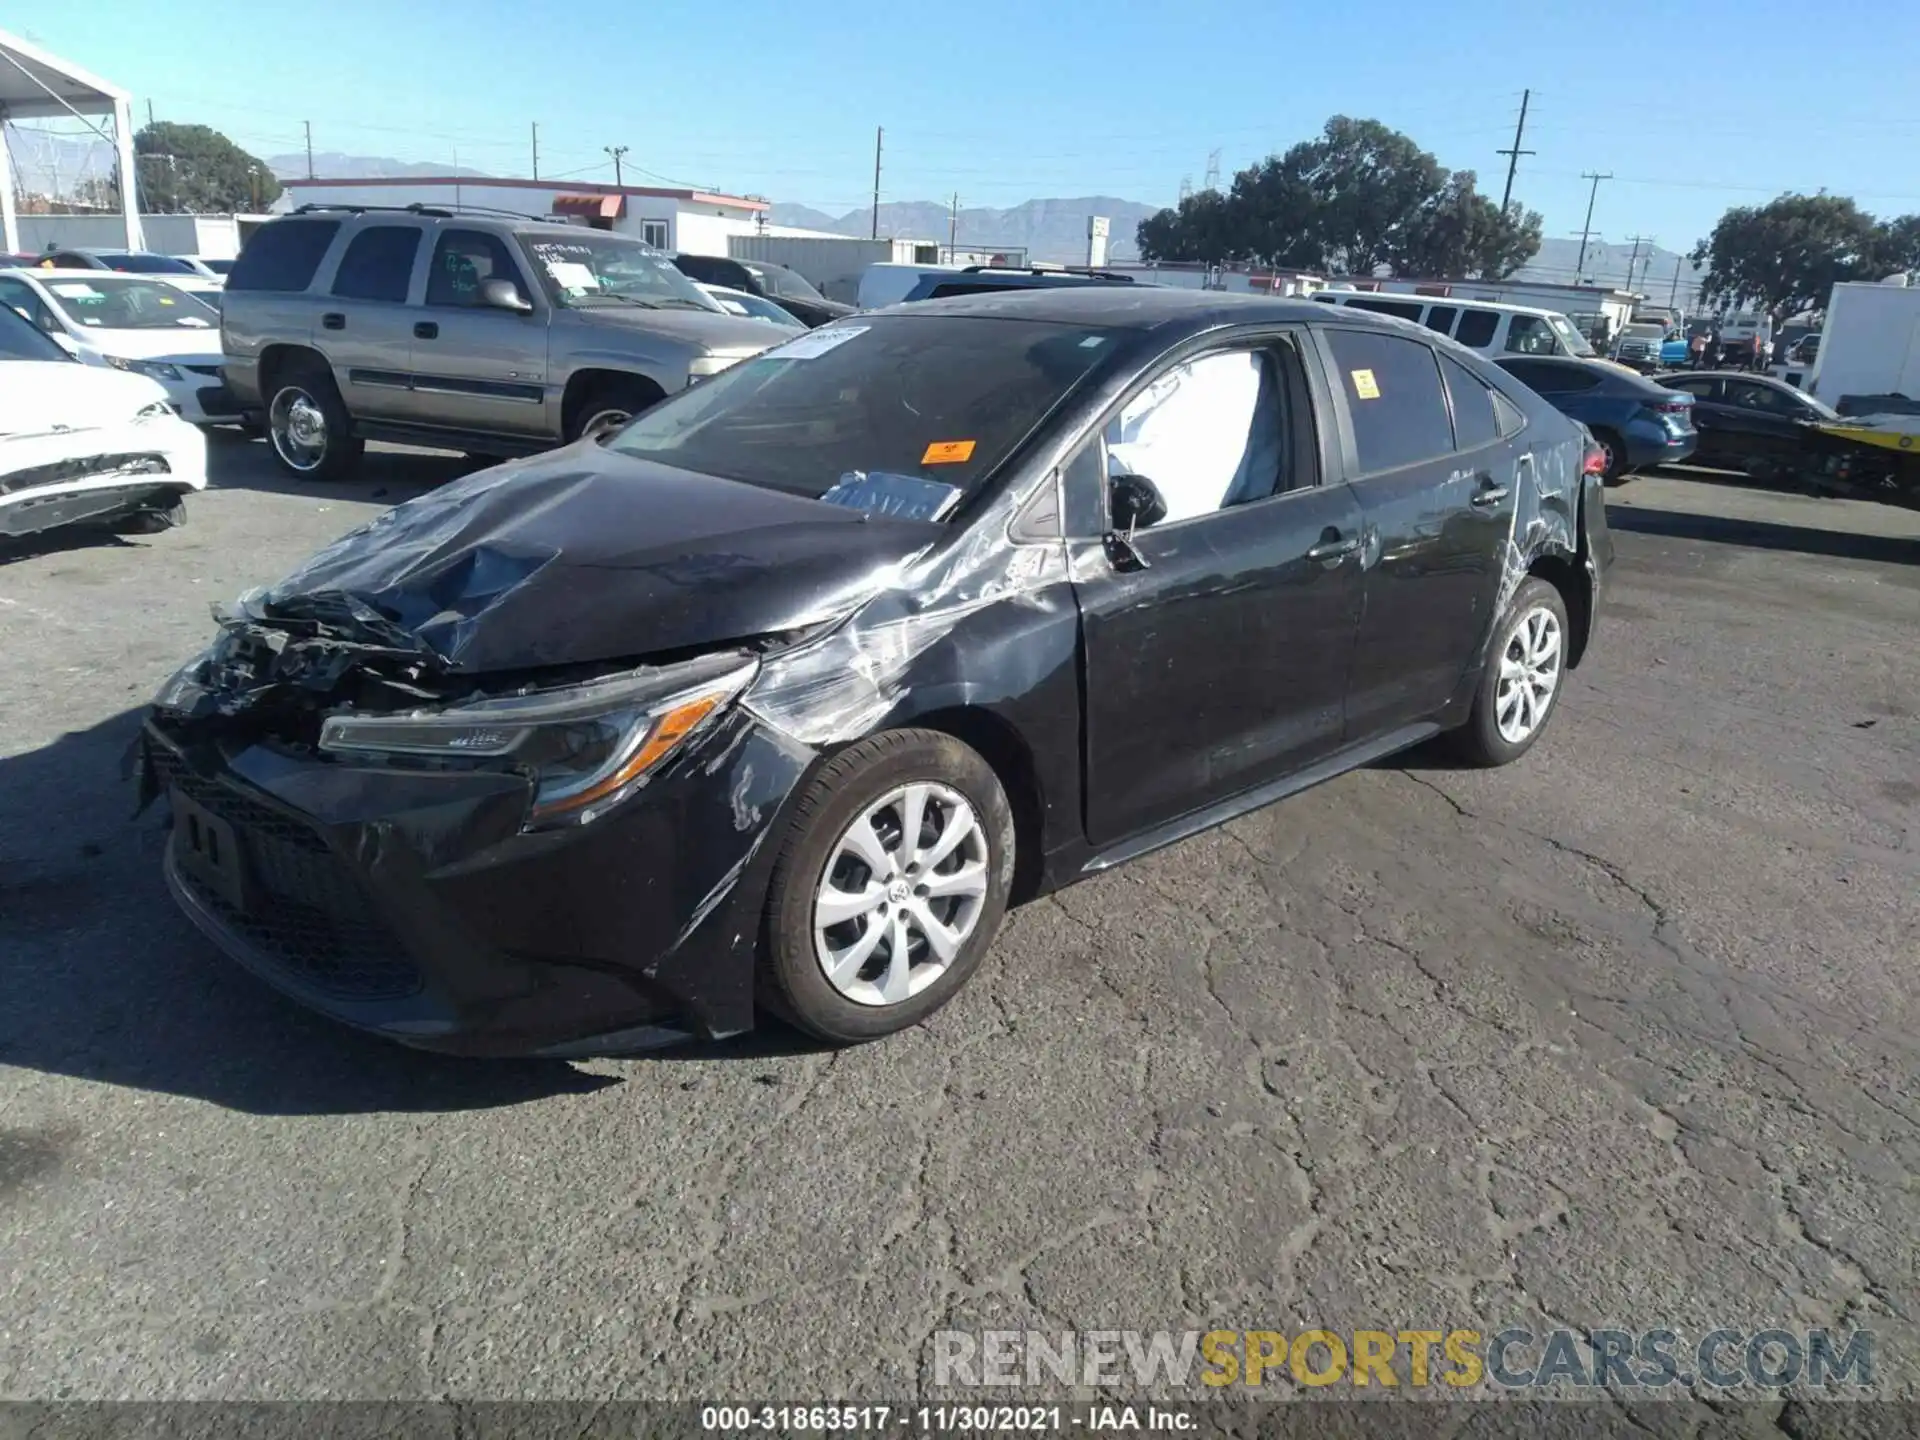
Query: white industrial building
{"points": [[699, 221], [211, 237], [37, 86]]}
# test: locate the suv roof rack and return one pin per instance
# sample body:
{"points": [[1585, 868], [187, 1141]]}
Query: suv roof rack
{"points": [[437, 212], [1079, 270]]}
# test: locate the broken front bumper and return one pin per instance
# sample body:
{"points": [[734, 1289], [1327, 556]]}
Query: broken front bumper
{"points": [[410, 904]]}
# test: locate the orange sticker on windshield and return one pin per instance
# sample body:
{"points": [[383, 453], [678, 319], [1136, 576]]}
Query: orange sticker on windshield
{"points": [[948, 452]]}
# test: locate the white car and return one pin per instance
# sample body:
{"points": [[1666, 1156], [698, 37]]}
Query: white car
{"points": [[745, 303], [86, 445], [136, 323]]}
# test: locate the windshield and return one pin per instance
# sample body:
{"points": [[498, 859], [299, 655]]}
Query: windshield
{"points": [[124, 302], [149, 265], [1575, 342], [1820, 408], [756, 307], [595, 268], [778, 281], [942, 398], [21, 341], [1644, 332]]}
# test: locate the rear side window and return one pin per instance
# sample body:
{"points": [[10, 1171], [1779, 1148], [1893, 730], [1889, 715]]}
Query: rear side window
{"points": [[1440, 318], [1393, 390], [282, 256], [378, 264], [1474, 423], [1476, 328], [1400, 308]]}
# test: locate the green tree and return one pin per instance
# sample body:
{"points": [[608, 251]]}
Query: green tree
{"points": [[1356, 197], [1787, 255], [195, 169]]}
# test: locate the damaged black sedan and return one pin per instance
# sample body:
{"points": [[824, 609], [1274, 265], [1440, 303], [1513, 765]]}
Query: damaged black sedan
{"points": [[775, 700]]}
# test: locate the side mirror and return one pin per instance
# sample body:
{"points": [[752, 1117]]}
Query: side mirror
{"points": [[504, 295], [1135, 501]]}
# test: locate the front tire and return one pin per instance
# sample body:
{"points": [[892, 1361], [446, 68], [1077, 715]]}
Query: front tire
{"points": [[609, 405], [308, 425], [891, 887], [1521, 682]]}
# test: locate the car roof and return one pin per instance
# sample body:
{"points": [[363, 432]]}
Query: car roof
{"points": [[1123, 307]]}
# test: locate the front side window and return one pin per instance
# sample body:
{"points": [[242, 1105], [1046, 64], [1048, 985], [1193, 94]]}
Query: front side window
{"points": [[586, 268], [1392, 387], [1477, 328], [463, 260], [779, 281], [108, 301], [1208, 433], [1530, 335], [19, 298], [1572, 339], [924, 398], [378, 264]]}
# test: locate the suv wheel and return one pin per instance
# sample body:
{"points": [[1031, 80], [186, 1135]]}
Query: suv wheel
{"points": [[609, 405], [308, 424]]}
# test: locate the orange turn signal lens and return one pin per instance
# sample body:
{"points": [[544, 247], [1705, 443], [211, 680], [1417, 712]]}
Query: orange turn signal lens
{"points": [[666, 732]]}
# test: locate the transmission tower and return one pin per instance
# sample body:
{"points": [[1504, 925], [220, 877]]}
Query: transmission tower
{"points": [[1213, 170], [1186, 188]]}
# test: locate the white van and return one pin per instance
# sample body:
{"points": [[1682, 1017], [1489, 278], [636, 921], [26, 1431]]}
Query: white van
{"points": [[1477, 324]]}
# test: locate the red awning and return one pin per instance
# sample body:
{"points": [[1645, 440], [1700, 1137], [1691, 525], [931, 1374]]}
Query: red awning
{"points": [[593, 207]]}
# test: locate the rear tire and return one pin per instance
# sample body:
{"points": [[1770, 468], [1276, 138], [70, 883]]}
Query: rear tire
{"points": [[1521, 683], [915, 914], [308, 425], [608, 404]]}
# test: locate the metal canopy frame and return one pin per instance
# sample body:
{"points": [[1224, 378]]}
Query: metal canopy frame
{"points": [[35, 85]]}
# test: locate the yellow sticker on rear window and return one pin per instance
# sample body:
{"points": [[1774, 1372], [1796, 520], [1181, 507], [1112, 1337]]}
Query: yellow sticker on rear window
{"points": [[948, 452], [1364, 385]]}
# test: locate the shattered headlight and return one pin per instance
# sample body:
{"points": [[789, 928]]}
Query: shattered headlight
{"points": [[587, 746]]}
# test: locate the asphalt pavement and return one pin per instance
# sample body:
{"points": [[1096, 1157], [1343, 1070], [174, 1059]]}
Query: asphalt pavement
{"points": [[1622, 1035]]}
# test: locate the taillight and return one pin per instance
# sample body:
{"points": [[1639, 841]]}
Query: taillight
{"points": [[1674, 407], [1595, 462]]}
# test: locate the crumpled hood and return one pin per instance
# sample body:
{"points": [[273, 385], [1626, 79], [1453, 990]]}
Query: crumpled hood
{"points": [[583, 555], [40, 396]]}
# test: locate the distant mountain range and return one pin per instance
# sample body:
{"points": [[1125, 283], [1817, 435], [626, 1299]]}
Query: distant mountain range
{"points": [[1049, 230], [332, 165]]}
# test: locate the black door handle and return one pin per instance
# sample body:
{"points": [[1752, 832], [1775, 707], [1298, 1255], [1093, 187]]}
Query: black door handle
{"points": [[334, 321], [1333, 547], [426, 330], [1492, 495]]}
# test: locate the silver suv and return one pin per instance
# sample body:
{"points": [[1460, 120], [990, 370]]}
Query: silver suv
{"points": [[460, 330]]}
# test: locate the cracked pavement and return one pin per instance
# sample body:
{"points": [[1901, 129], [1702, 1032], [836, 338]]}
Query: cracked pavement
{"points": [[1623, 1035]]}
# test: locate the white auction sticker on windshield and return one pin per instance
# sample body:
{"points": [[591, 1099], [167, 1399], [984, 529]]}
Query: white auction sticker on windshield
{"points": [[572, 275], [816, 342], [73, 289]]}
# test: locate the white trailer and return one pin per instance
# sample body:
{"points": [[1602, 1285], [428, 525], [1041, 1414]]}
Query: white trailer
{"points": [[1870, 344], [832, 265]]}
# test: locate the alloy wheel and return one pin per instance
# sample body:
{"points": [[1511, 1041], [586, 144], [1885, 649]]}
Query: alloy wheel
{"points": [[298, 427], [1529, 674], [900, 895]]}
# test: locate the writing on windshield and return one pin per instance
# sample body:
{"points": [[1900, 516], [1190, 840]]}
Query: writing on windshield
{"points": [[598, 268]]}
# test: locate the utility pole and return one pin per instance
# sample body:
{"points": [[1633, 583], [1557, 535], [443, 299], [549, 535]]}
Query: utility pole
{"points": [[1580, 265], [616, 151], [879, 133], [1513, 155], [149, 114], [953, 226], [536, 149], [1635, 260], [1673, 293], [309, 125]]}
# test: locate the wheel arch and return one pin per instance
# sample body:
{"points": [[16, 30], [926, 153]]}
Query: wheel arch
{"points": [[274, 361], [1568, 576], [1007, 753], [583, 383]]}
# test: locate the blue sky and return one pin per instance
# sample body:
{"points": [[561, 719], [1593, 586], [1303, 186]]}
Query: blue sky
{"points": [[1053, 99]]}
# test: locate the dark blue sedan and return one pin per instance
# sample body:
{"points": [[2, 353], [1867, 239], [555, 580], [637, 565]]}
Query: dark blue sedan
{"points": [[1638, 423]]}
